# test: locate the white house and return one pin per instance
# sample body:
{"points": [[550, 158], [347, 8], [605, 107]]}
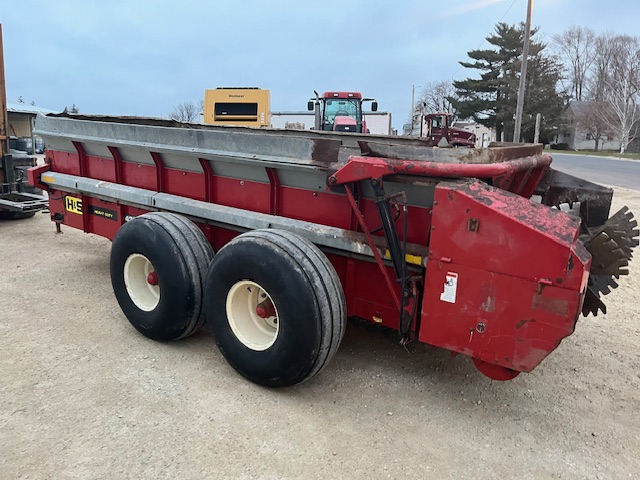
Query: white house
{"points": [[578, 137]]}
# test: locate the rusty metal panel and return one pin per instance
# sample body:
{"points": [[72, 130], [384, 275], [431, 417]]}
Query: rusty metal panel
{"points": [[505, 278], [296, 147], [496, 318], [516, 236]]}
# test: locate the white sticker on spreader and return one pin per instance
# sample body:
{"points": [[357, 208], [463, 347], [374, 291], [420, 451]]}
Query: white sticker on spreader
{"points": [[450, 288]]}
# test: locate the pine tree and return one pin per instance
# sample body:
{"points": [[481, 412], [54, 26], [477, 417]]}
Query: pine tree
{"points": [[491, 99]]}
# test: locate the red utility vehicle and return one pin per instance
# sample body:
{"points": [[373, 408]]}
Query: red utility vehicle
{"points": [[309, 228], [437, 127], [340, 111]]}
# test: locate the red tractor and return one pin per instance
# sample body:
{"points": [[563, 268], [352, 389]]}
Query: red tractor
{"points": [[340, 111], [437, 127]]}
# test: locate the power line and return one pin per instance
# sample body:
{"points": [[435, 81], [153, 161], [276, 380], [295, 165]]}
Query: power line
{"points": [[485, 40], [505, 13]]}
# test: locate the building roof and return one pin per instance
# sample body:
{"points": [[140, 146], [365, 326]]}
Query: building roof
{"points": [[26, 108], [578, 107]]}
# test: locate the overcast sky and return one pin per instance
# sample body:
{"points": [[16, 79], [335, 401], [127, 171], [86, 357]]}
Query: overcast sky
{"points": [[142, 57]]}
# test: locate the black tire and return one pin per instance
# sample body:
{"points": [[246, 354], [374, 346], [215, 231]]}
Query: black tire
{"points": [[204, 254], [307, 297], [4, 215], [177, 251]]}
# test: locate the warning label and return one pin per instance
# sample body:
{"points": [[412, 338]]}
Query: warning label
{"points": [[450, 288]]}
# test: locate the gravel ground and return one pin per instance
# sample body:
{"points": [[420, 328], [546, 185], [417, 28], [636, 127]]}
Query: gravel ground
{"points": [[84, 396]]}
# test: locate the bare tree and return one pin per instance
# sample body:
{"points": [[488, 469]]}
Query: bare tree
{"points": [[577, 45], [185, 112], [604, 71], [622, 89], [435, 96], [602, 48], [592, 115]]}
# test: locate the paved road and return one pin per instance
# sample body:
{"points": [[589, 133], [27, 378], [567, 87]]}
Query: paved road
{"points": [[607, 171]]}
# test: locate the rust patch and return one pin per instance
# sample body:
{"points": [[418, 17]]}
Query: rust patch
{"points": [[381, 243], [485, 201], [556, 306], [523, 322], [356, 237], [541, 218], [325, 151], [364, 148]]}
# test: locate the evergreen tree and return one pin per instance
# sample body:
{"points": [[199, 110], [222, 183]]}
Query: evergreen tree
{"points": [[541, 96], [491, 99], [73, 109]]}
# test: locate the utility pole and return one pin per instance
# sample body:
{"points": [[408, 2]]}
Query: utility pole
{"points": [[4, 122], [413, 92], [536, 135], [523, 74]]}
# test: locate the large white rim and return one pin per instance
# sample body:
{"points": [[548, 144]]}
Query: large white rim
{"points": [[143, 294], [252, 330]]}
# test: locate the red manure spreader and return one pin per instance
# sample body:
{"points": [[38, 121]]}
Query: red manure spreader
{"points": [[273, 238]]}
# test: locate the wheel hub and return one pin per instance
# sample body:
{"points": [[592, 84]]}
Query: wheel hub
{"points": [[152, 278], [252, 316], [141, 281], [265, 309]]}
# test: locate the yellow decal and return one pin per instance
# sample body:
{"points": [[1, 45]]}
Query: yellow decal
{"points": [[73, 205], [47, 179], [412, 259]]}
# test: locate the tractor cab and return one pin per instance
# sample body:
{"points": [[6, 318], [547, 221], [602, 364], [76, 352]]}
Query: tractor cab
{"points": [[340, 111], [342, 114], [437, 126]]}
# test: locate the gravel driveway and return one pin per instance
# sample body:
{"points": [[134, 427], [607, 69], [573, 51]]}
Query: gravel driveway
{"points": [[84, 396]]}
